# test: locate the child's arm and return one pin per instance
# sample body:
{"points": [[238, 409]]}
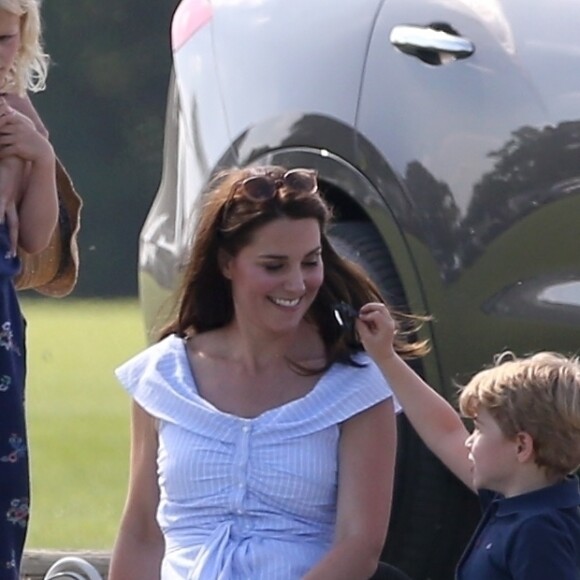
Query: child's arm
{"points": [[38, 201], [434, 419], [23, 105]]}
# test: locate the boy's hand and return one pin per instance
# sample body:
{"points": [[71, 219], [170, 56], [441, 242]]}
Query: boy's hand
{"points": [[376, 329], [20, 138]]}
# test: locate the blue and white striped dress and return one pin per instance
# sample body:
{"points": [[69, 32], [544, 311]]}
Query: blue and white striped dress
{"points": [[245, 498]]}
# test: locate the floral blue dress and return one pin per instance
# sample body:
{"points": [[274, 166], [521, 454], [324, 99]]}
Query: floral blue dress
{"points": [[14, 474]]}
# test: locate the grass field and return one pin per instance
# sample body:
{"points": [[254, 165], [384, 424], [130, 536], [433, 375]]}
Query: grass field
{"points": [[78, 417]]}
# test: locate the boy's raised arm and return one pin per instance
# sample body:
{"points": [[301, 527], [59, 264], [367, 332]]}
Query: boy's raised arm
{"points": [[434, 419]]}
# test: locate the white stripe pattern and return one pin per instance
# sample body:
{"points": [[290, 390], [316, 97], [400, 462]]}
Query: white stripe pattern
{"points": [[245, 498]]}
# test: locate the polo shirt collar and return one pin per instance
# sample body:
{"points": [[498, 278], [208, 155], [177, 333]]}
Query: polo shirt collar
{"points": [[561, 495]]}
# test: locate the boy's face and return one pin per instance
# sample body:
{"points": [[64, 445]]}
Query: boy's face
{"points": [[493, 456]]}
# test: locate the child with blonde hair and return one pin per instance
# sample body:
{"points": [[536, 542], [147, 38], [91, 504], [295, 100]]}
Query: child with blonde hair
{"points": [[23, 67], [520, 457]]}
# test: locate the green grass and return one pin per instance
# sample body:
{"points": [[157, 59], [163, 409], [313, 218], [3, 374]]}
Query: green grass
{"points": [[78, 418]]}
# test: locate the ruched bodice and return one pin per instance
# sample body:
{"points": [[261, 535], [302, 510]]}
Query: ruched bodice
{"points": [[245, 498]]}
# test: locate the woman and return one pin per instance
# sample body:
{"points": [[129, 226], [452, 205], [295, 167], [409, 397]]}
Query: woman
{"points": [[28, 218], [263, 442]]}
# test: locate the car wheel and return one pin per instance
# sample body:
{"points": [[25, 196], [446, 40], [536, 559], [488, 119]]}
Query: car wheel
{"points": [[433, 513]]}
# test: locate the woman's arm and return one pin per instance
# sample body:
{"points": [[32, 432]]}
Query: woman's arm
{"points": [[139, 546], [37, 199], [365, 485], [434, 419], [11, 176], [12, 169]]}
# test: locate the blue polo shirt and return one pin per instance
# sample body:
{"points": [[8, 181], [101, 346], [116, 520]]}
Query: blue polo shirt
{"points": [[533, 536]]}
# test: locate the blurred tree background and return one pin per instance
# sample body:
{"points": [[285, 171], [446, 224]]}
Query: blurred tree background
{"points": [[105, 108]]}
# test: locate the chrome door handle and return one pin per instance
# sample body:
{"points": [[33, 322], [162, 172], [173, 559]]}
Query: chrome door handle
{"points": [[431, 44]]}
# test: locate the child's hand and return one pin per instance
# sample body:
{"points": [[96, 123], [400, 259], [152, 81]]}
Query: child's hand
{"points": [[20, 138], [376, 329]]}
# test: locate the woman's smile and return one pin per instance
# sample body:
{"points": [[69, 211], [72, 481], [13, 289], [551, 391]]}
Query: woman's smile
{"points": [[285, 302]]}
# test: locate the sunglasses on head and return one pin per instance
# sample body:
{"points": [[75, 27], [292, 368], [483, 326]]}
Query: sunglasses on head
{"points": [[264, 187]]}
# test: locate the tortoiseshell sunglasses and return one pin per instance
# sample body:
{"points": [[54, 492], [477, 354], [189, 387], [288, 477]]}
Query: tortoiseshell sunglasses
{"points": [[264, 187]]}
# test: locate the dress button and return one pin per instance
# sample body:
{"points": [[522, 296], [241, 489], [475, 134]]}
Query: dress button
{"points": [[245, 428]]}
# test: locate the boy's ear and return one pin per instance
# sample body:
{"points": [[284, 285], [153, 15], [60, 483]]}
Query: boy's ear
{"points": [[525, 447]]}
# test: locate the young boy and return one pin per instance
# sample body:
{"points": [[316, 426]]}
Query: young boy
{"points": [[519, 458]]}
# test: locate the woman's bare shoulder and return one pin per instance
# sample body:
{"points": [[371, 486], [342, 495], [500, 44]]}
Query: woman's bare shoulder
{"points": [[211, 344]]}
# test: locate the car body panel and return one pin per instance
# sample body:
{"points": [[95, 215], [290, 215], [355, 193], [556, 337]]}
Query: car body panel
{"points": [[264, 65], [464, 139], [436, 149]]}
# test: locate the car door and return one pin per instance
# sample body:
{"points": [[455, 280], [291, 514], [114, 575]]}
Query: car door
{"points": [[475, 105]]}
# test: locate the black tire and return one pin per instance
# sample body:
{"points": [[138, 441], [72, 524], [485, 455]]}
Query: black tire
{"points": [[433, 513]]}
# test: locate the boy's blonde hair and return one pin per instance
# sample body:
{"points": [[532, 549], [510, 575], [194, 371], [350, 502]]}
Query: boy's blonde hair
{"points": [[31, 64], [540, 395]]}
